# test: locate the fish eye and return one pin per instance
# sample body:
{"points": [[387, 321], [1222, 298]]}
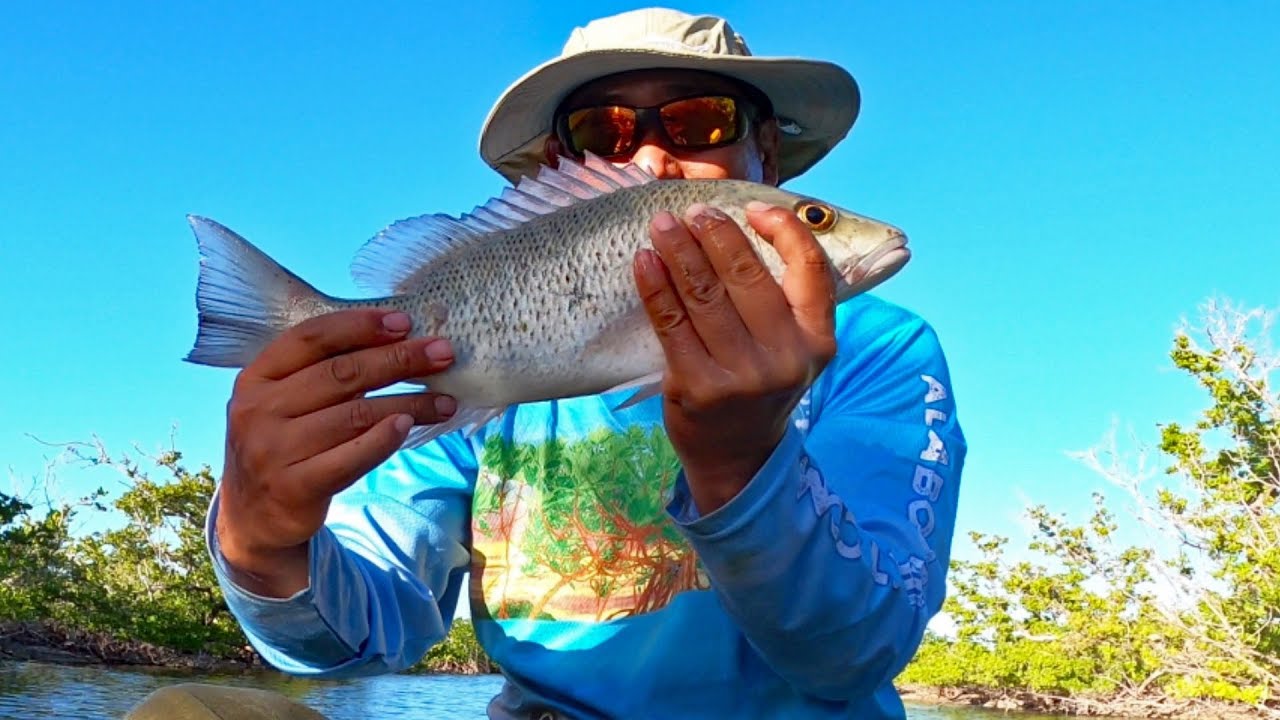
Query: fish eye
{"points": [[818, 217]]}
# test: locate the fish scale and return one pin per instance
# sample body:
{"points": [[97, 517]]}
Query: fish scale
{"points": [[534, 289]]}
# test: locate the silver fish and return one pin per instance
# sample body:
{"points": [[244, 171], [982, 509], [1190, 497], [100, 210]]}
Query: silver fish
{"points": [[534, 288]]}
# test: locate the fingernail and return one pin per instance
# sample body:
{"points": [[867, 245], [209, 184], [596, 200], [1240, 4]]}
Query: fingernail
{"points": [[665, 222], [647, 261], [396, 322], [439, 350], [757, 206], [403, 423], [445, 405]]}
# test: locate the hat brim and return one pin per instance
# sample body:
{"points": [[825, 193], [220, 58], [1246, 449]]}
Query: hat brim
{"points": [[816, 103]]}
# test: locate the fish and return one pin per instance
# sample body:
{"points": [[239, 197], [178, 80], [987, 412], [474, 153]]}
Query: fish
{"points": [[534, 288]]}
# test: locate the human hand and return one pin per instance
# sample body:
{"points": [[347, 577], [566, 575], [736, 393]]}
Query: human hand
{"points": [[300, 429], [741, 349]]}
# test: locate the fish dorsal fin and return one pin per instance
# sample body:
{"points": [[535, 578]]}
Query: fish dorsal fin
{"points": [[399, 257]]}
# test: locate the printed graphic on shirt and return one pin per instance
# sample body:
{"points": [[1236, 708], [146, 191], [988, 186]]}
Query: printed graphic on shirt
{"points": [[578, 529]]}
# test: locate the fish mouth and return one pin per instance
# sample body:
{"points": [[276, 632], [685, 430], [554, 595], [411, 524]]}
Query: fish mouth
{"points": [[879, 265]]}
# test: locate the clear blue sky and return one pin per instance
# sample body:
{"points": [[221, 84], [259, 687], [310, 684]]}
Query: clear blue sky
{"points": [[1075, 177]]}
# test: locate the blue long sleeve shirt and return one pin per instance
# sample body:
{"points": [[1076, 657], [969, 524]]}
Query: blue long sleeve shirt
{"points": [[600, 590]]}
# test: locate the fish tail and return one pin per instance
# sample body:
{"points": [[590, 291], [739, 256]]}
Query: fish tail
{"points": [[244, 298]]}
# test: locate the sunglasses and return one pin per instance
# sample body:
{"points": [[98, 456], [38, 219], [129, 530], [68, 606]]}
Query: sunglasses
{"points": [[701, 122]]}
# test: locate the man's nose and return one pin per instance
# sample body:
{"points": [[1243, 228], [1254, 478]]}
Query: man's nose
{"points": [[653, 156]]}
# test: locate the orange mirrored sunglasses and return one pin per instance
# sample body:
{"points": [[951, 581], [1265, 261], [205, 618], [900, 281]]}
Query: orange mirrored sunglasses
{"points": [[700, 122]]}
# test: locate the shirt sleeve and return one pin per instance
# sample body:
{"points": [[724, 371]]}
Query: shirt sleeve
{"points": [[386, 570], [833, 559]]}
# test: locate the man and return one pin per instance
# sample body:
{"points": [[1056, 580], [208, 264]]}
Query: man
{"points": [[768, 538]]}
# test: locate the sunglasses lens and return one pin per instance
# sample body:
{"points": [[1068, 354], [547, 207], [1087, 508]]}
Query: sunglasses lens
{"points": [[604, 131], [700, 122]]}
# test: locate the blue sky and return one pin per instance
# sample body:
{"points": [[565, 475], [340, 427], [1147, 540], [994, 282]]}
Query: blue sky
{"points": [[1075, 178]]}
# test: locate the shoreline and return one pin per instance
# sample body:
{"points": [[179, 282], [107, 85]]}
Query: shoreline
{"points": [[44, 642], [1039, 704], [47, 643]]}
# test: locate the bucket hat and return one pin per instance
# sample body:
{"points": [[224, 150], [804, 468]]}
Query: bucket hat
{"points": [[815, 102]]}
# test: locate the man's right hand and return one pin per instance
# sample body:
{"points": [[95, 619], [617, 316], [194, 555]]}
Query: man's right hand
{"points": [[300, 429]]}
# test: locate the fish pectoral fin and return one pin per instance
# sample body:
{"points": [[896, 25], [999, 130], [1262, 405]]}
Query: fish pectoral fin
{"points": [[626, 334], [628, 346], [466, 418], [646, 387]]}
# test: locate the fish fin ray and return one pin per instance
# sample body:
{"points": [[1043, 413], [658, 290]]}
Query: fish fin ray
{"points": [[546, 192], [469, 419], [243, 297], [565, 178], [491, 218], [505, 209], [646, 386], [622, 176], [393, 257], [399, 256], [486, 224]]}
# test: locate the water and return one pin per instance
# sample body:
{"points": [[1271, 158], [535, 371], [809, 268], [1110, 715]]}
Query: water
{"points": [[36, 690]]}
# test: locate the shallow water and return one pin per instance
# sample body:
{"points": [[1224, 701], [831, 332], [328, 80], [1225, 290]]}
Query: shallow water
{"points": [[37, 690]]}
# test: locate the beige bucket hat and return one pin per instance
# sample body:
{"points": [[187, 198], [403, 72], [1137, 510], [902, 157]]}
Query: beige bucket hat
{"points": [[816, 102]]}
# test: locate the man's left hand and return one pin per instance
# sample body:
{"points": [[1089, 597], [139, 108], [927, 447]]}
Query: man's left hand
{"points": [[741, 348]]}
